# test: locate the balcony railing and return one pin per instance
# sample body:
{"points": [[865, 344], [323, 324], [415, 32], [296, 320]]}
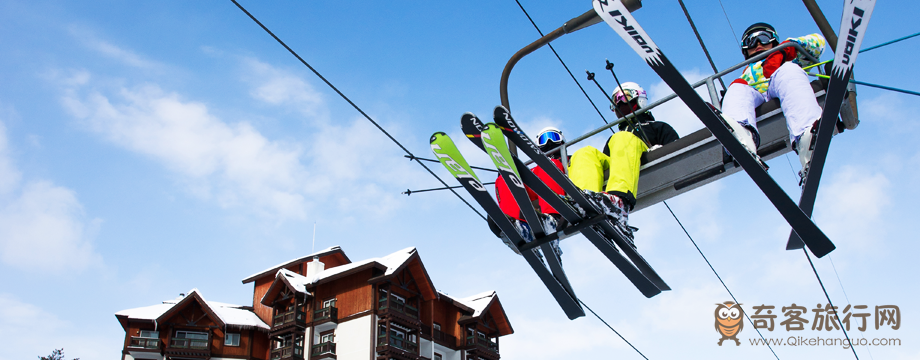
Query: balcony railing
{"points": [[439, 336], [322, 349], [144, 343], [287, 352], [327, 313], [193, 344], [483, 343], [289, 317], [396, 342], [398, 306]]}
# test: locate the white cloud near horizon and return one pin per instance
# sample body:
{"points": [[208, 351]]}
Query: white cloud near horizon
{"points": [[112, 51], [21, 321], [43, 226]]}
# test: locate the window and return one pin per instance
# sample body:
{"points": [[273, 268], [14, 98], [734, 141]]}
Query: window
{"points": [[437, 326], [327, 337], [437, 356], [329, 303], [194, 335], [232, 339], [147, 334]]}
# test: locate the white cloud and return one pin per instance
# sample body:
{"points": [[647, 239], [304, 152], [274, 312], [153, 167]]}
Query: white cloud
{"points": [[21, 323], [232, 162], [46, 228], [279, 87], [111, 51], [347, 163], [42, 226], [851, 207], [9, 175]]}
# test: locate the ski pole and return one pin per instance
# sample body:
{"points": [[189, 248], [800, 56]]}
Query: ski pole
{"points": [[409, 192], [591, 78], [872, 85], [632, 114], [436, 161]]}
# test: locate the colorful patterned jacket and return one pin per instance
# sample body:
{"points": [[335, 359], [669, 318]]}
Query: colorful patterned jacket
{"points": [[762, 70]]}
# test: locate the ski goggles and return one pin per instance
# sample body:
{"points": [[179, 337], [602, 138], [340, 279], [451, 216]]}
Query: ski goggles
{"points": [[549, 136], [625, 95], [762, 37]]}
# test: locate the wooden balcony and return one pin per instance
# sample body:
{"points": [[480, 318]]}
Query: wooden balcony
{"points": [[398, 308], [144, 343], [439, 337], [293, 318], [287, 352], [398, 348], [323, 351], [193, 348], [480, 343], [327, 314]]}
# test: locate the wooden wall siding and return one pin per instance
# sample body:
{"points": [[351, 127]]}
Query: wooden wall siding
{"points": [[260, 345], [445, 314], [259, 289], [352, 293], [423, 283]]}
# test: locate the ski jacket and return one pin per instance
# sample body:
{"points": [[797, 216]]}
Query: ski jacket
{"points": [[759, 71], [510, 207], [658, 133]]}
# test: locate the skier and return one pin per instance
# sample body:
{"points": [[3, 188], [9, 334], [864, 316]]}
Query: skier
{"points": [[552, 221], [779, 75], [622, 156]]}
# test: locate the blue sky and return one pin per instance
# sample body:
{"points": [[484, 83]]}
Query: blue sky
{"points": [[149, 148]]}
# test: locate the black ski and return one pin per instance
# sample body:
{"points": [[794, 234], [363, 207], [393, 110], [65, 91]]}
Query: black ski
{"points": [[446, 151], [852, 29], [615, 14], [639, 272], [494, 142]]}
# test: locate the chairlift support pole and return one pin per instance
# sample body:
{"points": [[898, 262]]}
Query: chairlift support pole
{"points": [[582, 21]]}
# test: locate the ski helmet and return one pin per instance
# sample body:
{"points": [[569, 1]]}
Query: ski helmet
{"points": [[549, 138], [758, 33], [629, 93]]}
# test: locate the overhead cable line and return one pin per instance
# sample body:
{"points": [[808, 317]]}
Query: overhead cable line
{"points": [[888, 43], [700, 39], [611, 328], [563, 63], [730, 24], [720, 280], [830, 303], [845, 296], [353, 104]]}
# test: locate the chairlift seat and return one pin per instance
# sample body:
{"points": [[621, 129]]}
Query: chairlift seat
{"points": [[697, 159]]}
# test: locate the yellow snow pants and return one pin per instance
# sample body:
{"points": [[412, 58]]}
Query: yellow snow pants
{"points": [[587, 166]]}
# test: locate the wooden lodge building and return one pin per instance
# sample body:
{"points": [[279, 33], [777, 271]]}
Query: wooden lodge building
{"points": [[323, 306]]}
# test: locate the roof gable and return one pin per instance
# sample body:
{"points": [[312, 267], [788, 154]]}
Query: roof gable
{"points": [[333, 256], [285, 280], [409, 260], [192, 298]]}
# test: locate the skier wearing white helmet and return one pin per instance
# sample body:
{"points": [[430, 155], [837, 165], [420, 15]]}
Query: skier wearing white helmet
{"points": [[622, 155], [780, 76]]}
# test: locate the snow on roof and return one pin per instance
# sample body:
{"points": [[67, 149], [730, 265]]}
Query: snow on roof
{"points": [[392, 262], [228, 313], [478, 302], [273, 269]]}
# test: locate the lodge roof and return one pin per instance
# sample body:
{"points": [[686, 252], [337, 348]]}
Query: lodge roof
{"points": [[227, 314]]}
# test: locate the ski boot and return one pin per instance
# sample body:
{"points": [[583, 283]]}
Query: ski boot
{"points": [[551, 225], [746, 134], [804, 145], [524, 230], [617, 210]]}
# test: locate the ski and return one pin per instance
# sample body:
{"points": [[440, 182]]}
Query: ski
{"points": [[497, 149], [646, 276], [852, 30], [614, 13], [449, 156]]}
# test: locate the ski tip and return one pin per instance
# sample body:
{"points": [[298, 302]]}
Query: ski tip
{"points": [[436, 135]]}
